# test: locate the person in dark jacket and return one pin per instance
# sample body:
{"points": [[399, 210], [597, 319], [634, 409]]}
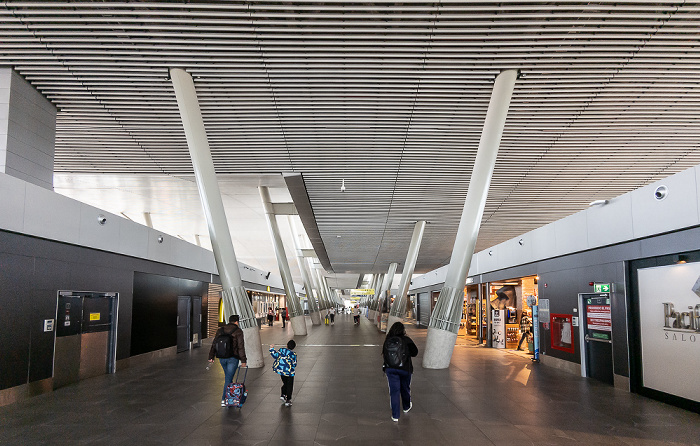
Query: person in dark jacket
{"points": [[285, 363], [230, 364], [399, 378]]}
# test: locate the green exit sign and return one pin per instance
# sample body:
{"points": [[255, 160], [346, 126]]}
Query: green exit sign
{"points": [[601, 288]]}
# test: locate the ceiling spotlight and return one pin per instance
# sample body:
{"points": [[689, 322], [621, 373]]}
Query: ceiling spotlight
{"points": [[342, 186], [598, 202]]}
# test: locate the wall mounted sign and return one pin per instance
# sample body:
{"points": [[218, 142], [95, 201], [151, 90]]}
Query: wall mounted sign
{"points": [[669, 313]]}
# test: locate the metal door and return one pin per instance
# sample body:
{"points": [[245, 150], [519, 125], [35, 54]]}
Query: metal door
{"points": [[85, 344], [597, 336], [66, 366], [183, 323], [95, 338], [196, 321], [424, 309]]}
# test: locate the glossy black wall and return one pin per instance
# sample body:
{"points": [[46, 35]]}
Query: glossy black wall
{"points": [[154, 315]]}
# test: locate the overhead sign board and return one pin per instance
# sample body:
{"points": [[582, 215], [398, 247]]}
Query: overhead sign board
{"points": [[362, 292]]}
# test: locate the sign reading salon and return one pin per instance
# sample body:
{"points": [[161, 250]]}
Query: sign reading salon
{"points": [[669, 309]]}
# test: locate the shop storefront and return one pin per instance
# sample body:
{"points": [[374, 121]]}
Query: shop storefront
{"points": [[508, 302]]}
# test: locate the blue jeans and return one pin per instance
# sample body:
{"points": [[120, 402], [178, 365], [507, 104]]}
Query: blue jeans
{"points": [[229, 365], [399, 389]]}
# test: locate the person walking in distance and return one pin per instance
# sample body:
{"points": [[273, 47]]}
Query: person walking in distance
{"points": [[525, 328], [284, 365], [270, 316], [356, 314], [331, 313], [229, 347], [398, 349]]}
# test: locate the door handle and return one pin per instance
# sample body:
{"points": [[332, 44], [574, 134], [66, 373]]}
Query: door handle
{"points": [[606, 341]]}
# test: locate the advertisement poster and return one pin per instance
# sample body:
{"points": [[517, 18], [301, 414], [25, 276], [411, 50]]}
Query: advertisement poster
{"points": [[669, 310], [498, 328]]}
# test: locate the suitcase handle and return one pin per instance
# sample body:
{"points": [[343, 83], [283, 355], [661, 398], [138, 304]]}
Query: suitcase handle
{"points": [[238, 370]]}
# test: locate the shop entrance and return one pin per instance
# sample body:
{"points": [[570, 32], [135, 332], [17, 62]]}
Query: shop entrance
{"points": [[85, 344], [595, 329]]}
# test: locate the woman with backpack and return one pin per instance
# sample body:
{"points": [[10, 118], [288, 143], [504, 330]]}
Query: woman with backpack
{"points": [[398, 349]]}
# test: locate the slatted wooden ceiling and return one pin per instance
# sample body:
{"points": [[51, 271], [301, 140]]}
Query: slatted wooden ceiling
{"points": [[389, 96]]}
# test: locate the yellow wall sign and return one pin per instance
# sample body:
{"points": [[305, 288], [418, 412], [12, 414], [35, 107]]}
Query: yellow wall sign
{"points": [[94, 316], [362, 292]]}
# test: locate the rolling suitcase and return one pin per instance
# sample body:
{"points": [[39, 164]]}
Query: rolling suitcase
{"points": [[236, 393]]}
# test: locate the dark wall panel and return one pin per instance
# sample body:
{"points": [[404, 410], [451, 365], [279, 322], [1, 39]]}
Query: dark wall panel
{"points": [[15, 303], [154, 320]]}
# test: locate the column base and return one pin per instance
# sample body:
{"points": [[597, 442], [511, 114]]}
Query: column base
{"points": [[439, 346], [298, 325], [253, 347], [315, 318], [392, 320], [372, 316]]}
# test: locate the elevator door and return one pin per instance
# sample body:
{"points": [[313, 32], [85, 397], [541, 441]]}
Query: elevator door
{"points": [[196, 321], [183, 323], [85, 344], [424, 309]]}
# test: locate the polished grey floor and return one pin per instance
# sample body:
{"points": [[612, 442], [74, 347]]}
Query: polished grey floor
{"points": [[486, 397]]}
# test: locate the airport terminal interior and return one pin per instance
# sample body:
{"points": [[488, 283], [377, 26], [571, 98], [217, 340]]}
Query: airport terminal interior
{"points": [[485, 397], [517, 182]]}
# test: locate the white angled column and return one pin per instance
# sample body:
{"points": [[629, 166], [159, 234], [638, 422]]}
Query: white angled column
{"points": [[398, 307], [234, 296], [386, 286], [444, 322], [303, 268], [296, 316]]}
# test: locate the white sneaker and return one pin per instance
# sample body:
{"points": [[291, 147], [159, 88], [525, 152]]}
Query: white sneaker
{"points": [[410, 405], [288, 403], [283, 398], [394, 419], [223, 403]]}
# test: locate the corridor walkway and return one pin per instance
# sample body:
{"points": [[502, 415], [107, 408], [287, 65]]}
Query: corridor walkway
{"points": [[486, 397]]}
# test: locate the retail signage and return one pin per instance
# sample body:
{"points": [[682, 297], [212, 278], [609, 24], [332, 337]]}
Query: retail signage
{"points": [[601, 288], [669, 316], [94, 316], [498, 328], [543, 305], [598, 317], [362, 292]]}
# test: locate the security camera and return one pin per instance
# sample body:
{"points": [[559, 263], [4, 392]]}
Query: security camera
{"points": [[101, 219], [661, 192]]}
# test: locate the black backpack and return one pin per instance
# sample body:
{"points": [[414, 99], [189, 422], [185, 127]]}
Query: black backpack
{"points": [[224, 345], [395, 354]]}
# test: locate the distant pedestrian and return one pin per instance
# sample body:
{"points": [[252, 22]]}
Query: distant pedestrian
{"points": [[229, 347], [331, 313], [283, 314], [270, 316], [356, 314], [285, 363], [397, 351], [525, 328]]}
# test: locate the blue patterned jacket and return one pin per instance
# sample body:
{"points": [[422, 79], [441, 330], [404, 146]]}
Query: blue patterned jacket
{"points": [[285, 361]]}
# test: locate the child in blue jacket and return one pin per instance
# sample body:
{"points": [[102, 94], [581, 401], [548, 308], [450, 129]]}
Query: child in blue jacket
{"points": [[285, 363]]}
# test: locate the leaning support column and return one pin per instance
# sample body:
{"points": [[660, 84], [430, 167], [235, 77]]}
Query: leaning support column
{"points": [[296, 316], [303, 268], [398, 308], [444, 322], [234, 296], [376, 282], [386, 286]]}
